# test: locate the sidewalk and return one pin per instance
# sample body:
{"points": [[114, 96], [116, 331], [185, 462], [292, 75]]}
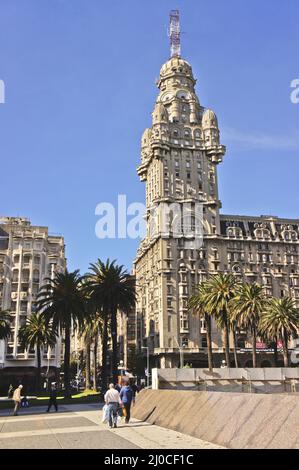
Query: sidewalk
{"points": [[80, 426]]}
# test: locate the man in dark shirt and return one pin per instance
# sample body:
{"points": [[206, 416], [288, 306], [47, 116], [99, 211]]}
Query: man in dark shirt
{"points": [[126, 396], [53, 398]]}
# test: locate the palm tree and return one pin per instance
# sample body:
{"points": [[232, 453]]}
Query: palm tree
{"points": [[87, 342], [62, 302], [246, 308], [233, 326], [198, 304], [220, 290], [35, 334], [280, 320], [5, 324], [110, 289], [91, 331], [97, 334]]}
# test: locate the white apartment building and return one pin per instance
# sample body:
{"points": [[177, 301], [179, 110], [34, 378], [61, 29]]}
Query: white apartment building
{"points": [[28, 254]]}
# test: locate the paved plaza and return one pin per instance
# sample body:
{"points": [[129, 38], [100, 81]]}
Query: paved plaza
{"points": [[81, 427]]}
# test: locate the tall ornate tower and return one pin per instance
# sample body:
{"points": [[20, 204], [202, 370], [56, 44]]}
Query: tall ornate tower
{"points": [[179, 157]]}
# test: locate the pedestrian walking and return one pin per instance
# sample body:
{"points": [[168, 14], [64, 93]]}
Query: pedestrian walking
{"points": [[17, 399], [53, 397], [10, 391], [112, 400], [126, 396], [24, 402], [135, 391]]}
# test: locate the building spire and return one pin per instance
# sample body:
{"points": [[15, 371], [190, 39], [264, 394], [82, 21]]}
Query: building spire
{"points": [[175, 33]]}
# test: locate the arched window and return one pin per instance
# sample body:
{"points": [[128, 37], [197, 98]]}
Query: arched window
{"points": [[258, 233], [266, 233]]}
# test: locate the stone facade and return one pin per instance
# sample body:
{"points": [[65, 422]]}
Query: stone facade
{"points": [[28, 254], [179, 158]]}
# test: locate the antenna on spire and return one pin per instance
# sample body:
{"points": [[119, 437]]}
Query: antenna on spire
{"points": [[175, 33]]}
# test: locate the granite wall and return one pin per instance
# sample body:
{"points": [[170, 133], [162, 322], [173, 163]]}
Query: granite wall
{"points": [[234, 420]]}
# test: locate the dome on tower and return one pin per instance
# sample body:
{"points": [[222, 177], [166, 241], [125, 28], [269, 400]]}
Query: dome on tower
{"points": [[209, 119], [176, 66]]}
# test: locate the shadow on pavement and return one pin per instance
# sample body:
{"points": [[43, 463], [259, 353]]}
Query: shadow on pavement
{"points": [[37, 410]]}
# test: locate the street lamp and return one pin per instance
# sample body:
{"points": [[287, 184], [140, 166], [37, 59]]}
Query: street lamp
{"points": [[121, 367], [147, 366], [181, 353], [48, 368]]}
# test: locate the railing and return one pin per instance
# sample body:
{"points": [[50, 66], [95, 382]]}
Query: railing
{"points": [[259, 380]]}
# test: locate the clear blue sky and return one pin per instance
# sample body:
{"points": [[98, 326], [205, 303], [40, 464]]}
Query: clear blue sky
{"points": [[80, 87]]}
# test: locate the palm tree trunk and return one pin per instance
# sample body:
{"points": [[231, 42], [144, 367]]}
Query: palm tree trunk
{"points": [[104, 354], [254, 357], [87, 367], [226, 343], [235, 345], [67, 353], [114, 346], [95, 355], [38, 372], [275, 352], [209, 342], [285, 349]]}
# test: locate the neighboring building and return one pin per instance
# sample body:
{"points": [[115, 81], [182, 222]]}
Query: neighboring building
{"points": [[28, 254], [126, 332], [179, 158]]}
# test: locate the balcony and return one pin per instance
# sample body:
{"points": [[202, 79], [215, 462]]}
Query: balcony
{"points": [[24, 295], [184, 330]]}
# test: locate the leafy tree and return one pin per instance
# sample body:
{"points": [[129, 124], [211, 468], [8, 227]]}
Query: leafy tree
{"points": [[220, 290], [92, 330], [280, 320], [199, 305], [5, 324], [246, 308], [36, 334], [62, 303], [110, 288]]}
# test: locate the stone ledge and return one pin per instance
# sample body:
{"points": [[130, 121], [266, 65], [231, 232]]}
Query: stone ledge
{"points": [[227, 419]]}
